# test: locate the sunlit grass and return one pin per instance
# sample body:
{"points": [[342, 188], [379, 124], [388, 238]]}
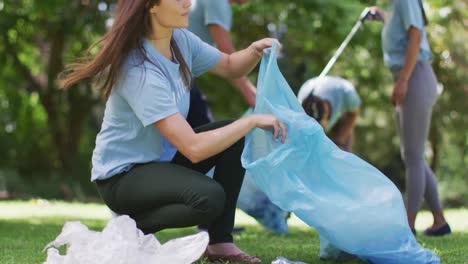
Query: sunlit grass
{"points": [[27, 226]]}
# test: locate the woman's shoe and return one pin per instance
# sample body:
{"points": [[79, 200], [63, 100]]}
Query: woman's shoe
{"points": [[441, 231]]}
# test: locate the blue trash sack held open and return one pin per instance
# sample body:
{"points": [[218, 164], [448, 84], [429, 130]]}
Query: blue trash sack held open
{"points": [[350, 203], [256, 204]]}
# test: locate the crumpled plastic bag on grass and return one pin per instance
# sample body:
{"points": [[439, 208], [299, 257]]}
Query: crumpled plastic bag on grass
{"points": [[283, 260], [121, 242], [350, 203]]}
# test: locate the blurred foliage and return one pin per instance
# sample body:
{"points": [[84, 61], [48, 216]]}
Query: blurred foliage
{"points": [[45, 132]]}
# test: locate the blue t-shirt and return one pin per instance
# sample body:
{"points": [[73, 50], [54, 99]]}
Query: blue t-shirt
{"points": [[401, 15], [145, 93], [339, 92], [209, 12]]}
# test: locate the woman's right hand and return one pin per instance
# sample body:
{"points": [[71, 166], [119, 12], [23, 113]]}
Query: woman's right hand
{"points": [[258, 46], [378, 14], [270, 122]]}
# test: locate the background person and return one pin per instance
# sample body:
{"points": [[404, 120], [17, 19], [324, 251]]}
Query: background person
{"points": [[334, 103], [211, 20], [407, 54]]}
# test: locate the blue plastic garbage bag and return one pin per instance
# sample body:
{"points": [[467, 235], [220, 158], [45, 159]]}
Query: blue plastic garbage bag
{"points": [[256, 204], [350, 203]]}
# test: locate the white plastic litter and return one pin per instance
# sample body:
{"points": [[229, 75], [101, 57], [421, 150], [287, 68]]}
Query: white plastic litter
{"points": [[121, 242], [283, 260]]}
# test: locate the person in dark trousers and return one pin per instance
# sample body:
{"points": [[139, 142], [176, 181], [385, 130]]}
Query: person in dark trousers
{"points": [[211, 20], [147, 60], [334, 103], [407, 54]]}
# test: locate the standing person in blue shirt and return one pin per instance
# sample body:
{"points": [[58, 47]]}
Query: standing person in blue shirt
{"points": [[334, 103], [408, 56], [211, 20], [147, 61]]}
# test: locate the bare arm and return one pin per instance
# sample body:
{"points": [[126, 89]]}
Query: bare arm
{"points": [[242, 62], [411, 58], [223, 41], [346, 126], [412, 52], [200, 146], [222, 38]]}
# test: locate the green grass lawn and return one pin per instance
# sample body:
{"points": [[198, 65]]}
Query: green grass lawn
{"points": [[27, 226]]}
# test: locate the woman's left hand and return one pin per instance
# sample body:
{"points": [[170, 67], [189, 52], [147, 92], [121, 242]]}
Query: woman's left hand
{"points": [[399, 92], [259, 45]]}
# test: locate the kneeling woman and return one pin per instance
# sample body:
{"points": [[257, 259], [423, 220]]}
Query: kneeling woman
{"points": [[147, 61]]}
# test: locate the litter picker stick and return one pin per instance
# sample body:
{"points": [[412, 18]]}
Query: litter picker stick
{"points": [[364, 15]]}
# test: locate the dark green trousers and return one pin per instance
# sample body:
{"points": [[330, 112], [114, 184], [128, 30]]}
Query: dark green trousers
{"points": [[176, 194]]}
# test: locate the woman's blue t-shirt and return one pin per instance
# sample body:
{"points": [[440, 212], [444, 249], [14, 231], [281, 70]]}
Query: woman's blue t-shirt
{"points": [[145, 93], [401, 15]]}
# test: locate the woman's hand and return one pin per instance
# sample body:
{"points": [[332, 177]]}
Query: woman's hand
{"points": [[258, 46], [270, 122], [241, 63], [377, 14], [399, 92]]}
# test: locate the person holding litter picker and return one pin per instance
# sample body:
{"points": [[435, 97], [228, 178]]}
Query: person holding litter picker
{"points": [[147, 61], [407, 54]]}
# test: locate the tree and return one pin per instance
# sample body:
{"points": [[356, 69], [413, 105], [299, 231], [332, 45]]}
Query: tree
{"points": [[48, 129], [36, 37]]}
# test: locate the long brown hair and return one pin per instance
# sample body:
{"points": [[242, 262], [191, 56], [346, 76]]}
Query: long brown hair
{"points": [[423, 13], [132, 23], [314, 106]]}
